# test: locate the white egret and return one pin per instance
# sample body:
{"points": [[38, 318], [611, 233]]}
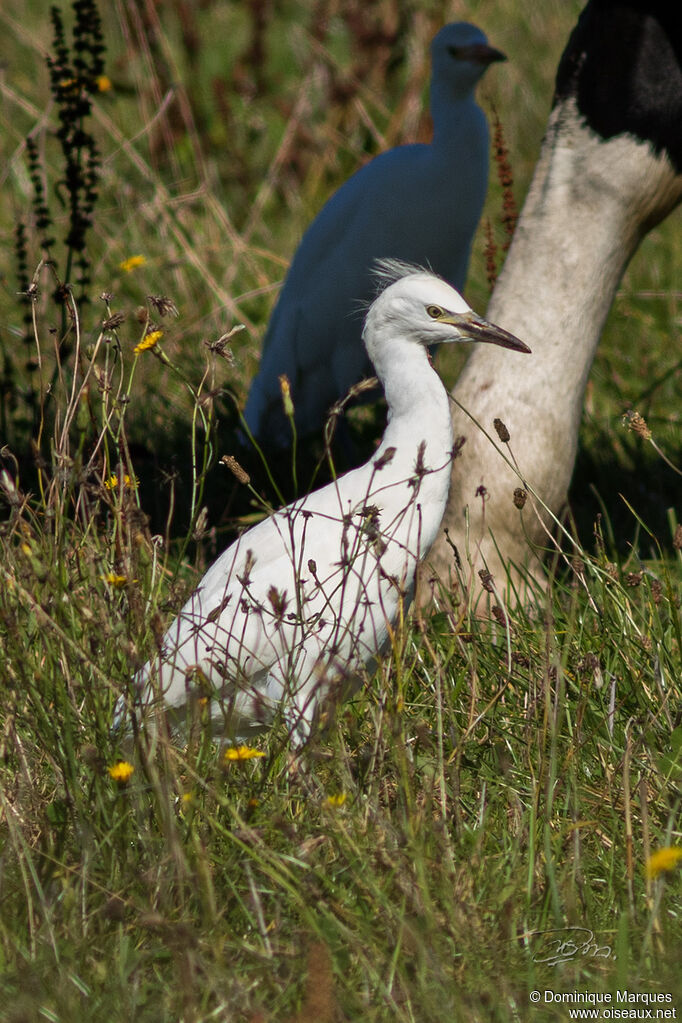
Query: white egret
{"points": [[610, 169], [307, 597], [417, 203]]}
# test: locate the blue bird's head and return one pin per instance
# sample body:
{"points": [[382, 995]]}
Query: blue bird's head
{"points": [[460, 55]]}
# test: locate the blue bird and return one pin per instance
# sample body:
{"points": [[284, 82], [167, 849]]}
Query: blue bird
{"points": [[417, 203]]}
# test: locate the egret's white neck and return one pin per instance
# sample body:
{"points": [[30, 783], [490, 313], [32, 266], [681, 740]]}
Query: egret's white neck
{"points": [[418, 404]]}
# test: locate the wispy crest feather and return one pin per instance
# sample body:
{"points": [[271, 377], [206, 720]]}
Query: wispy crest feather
{"points": [[387, 271]]}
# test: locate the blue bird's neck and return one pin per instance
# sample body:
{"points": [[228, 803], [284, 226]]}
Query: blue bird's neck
{"points": [[455, 116]]}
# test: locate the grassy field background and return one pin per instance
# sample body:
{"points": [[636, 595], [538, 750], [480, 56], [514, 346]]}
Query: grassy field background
{"points": [[499, 785]]}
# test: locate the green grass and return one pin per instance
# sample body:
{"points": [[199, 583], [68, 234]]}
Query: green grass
{"points": [[498, 778]]}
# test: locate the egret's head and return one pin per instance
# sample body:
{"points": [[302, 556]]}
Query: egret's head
{"points": [[419, 307], [460, 54]]}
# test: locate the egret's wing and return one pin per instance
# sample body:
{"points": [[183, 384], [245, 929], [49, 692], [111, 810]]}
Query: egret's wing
{"points": [[261, 595]]}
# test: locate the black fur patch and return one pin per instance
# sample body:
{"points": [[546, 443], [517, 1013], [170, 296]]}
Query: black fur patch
{"points": [[623, 65]]}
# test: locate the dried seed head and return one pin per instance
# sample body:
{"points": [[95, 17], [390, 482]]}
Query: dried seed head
{"points": [[520, 497], [499, 615], [278, 602], [9, 489], [249, 562], [501, 430], [677, 538], [633, 579], [370, 384], [370, 515], [158, 628], [486, 580], [164, 306], [637, 423], [589, 664], [114, 321], [578, 565], [201, 525], [453, 547], [221, 346], [385, 459], [215, 613], [457, 447], [235, 468], [420, 468]]}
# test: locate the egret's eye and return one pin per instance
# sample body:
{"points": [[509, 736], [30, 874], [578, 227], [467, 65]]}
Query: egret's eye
{"points": [[435, 311]]}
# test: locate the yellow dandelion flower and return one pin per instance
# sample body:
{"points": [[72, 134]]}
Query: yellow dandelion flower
{"points": [[663, 860], [187, 802], [128, 481], [117, 581], [233, 753], [131, 263], [121, 772], [148, 341], [103, 83], [334, 802]]}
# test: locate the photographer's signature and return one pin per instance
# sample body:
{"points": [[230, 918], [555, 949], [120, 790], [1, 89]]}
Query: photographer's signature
{"points": [[566, 944]]}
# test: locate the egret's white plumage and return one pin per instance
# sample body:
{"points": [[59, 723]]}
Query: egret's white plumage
{"points": [[417, 203], [308, 596]]}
